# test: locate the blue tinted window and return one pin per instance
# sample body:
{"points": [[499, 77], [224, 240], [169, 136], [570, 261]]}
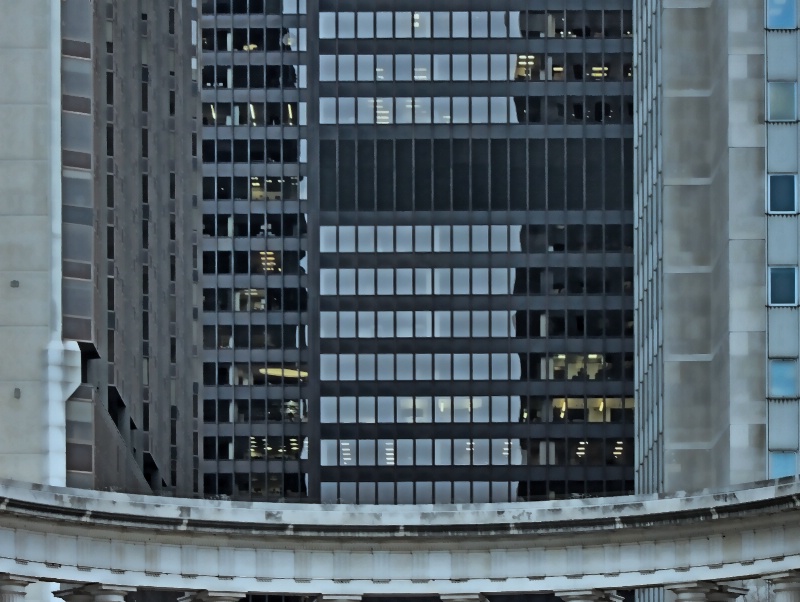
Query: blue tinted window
{"points": [[782, 197], [782, 464], [781, 14], [782, 378], [783, 286]]}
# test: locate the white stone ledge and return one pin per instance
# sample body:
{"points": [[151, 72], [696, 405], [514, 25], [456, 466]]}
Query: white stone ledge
{"points": [[77, 536]]}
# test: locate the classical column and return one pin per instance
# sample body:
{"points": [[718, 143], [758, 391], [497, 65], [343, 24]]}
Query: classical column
{"points": [[786, 586], [589, 595], [95, 592], [12, 587]]}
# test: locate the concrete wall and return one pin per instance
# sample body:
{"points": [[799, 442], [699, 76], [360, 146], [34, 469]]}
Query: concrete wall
{"points": [[706, 215], [31, 427]]}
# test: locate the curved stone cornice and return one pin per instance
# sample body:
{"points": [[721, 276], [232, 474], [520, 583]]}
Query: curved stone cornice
{"points": [[71, 535]]}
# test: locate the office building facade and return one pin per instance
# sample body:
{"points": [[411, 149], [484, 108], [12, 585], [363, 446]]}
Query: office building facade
{"points": [[432, 300], [100, 295]]}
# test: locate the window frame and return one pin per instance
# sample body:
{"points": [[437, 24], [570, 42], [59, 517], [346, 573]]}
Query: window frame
{"points": [[769, 285], [772, 211]]}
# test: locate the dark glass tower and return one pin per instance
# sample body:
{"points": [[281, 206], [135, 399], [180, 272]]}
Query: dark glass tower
{"points": [[469, 268], [255, 277]]}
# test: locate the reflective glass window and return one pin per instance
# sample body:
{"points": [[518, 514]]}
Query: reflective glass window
{"points": [[783, 378], [781, 14], [781, 101]]}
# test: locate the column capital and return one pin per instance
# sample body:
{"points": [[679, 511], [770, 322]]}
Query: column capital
{"points": [[784, 582], [95, 592], [11, 579], [589, 595], [209, 596], [727, 593], [14, 584], [694, 591]]}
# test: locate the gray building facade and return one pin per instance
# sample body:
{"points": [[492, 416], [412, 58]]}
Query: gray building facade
{"points": [[716, 320], [109, 236]]}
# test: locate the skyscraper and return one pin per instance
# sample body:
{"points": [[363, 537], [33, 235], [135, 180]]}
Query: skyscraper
{"points": [[418, 279], [98, 181]]}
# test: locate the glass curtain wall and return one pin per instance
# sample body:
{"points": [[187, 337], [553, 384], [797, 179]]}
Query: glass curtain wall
{"points": [[254, 92], [475, 251]]}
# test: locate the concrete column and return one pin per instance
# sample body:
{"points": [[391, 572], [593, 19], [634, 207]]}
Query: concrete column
{"points": [[12, 587], [786, 586], [589, 595]]}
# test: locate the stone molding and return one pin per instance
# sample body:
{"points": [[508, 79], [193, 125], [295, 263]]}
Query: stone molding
{"points": [[579, 547]]}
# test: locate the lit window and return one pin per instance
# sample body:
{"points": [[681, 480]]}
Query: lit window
{"points": [[782, 193], [783, 285], [782, 464], [783, 378], [781, 14], [782, 101]]}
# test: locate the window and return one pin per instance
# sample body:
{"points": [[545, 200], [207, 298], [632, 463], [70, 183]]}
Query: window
{"points": [[783, 378], [781, 14], [782, 101], [782, 193], [782, 464], [783, 285]]}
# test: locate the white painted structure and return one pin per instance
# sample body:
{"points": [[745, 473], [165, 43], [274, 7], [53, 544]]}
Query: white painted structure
{"points": [[576, 548]]}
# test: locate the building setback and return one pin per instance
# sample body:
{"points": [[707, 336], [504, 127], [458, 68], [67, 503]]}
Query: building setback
{"points": [[99, 190], [432, 302]]}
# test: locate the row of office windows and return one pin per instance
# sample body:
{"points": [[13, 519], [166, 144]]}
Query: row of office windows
{"points": [[254, 7], [476, 24], [253, 39], [475, 109], [254, 76], [475, 324], [475, 281], [255, 188], [255, 151], [254, 410], [254, 113], [533, 238], [475, 452], [458, 492], [478, 409], [474, 366], [476, 67]]}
